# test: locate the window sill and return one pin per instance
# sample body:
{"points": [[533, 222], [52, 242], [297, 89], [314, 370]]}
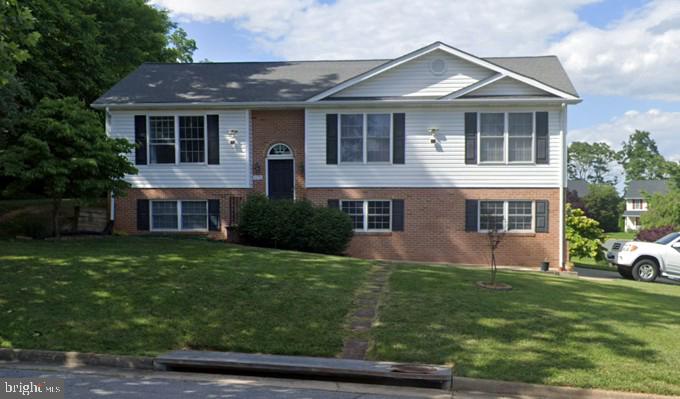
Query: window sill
{"points": [[513, 233], [372, 233]]}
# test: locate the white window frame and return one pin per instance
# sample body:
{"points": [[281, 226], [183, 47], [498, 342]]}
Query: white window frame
{"points": [[364, 140], [179, 228], [506, 138], [365, 228], [177, 141], [506, 215]]}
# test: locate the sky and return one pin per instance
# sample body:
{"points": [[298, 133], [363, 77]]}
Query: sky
{"points": [[623, 56]]}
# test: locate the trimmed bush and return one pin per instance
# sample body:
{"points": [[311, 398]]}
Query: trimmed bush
{"points": [[292, 225], [651, 235]]}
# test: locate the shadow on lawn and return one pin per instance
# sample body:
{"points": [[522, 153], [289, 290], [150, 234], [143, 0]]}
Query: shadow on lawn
{"points": [[148, 295], [544, 328]]}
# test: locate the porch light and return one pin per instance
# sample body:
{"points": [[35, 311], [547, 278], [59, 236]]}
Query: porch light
{"points": [[433, 134], [231, 136]]}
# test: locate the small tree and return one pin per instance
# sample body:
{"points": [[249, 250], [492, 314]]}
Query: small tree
{"points": [[62, 148], [664, 210], [495, 238], [583, 234]]}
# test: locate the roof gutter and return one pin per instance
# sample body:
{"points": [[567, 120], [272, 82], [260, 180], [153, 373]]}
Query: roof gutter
{"points": [[331, 103]]}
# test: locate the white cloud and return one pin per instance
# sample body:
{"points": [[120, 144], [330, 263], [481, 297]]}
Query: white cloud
{"points": [[664, 127], [635, 56]]}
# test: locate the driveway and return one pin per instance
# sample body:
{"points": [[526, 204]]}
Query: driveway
{"points": [[613, 275]]}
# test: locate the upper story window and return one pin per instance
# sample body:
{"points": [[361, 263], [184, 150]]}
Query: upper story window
{"points": [[638, 204], [506, 137], [168, 133], [365, 138]]}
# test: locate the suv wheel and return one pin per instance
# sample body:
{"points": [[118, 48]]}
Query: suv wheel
{"points": [[625, 273], [645, 270]]}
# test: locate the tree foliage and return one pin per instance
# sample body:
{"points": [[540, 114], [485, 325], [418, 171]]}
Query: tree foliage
{"points": [[584, 235], [640, 158], [663, 210], [604, 204], [17, 36], [63, 150], [591, 162]]}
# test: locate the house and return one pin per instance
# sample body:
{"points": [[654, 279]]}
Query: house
{"points": [[636, 204], [426, 152]]}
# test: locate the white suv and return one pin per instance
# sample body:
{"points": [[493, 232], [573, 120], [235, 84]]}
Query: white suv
{"points": [[645, 261]]}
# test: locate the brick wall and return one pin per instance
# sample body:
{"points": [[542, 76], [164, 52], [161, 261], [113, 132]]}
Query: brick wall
{"points": [[434, 227], [126, 207], [271, 127]]}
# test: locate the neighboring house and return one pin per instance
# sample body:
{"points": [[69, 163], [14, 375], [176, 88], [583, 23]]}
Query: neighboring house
{"points": [[636, 204], [424, 151]]}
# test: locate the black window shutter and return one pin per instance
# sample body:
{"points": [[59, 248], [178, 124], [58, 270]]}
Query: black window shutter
{"points": [[331, 139], [470, 137], [140, 139], [213, 139], [333, 203], [399, 137], [542, 138], [143, 215], [397, 215], [214, 215], [471, 215], [542, 221]]}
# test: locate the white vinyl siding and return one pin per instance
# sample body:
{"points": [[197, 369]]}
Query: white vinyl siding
{"points": [[415, 78], [232, 171], [441, 164], [507, 87]]}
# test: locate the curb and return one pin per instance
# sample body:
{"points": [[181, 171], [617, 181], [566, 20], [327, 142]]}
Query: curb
{"points": [[76, 359], [464, 384]]}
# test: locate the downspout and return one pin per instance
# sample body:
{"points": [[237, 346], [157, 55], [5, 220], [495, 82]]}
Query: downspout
{"points": [[112, 202], [563, 178]]}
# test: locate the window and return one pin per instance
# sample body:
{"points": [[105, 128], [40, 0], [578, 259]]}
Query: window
{"points": [[519, 215], [194, 215], [506, 215], [280, 150], [520, 137], [352, 138], [191, 139], [638, 204], [491, 215], [179, 215], [373, 215], [365, 137], [162, 139], [355, 210], [506, 137], [378, 137], [164, 215], [491, 137]]}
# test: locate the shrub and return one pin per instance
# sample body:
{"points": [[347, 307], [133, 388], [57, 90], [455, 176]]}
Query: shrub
{"points": [[664, 210], [34, 225], [583, 234], [653, 234], [294, 225]]}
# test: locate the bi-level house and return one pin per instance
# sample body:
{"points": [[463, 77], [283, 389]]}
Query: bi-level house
{"points": [[426, 152], [636, 203]]}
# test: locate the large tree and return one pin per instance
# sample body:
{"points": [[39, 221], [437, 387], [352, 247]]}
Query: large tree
{"points": [[591, 162], [88, 45], [63, 150], [640, 158], [604, 204], [17, 36]]}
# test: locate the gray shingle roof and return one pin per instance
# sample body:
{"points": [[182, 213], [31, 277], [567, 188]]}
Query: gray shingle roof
{"points": [[277, 81], [636, 188], [633, 213]]}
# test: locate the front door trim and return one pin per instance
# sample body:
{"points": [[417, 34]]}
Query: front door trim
{"points": [[272, 154]]}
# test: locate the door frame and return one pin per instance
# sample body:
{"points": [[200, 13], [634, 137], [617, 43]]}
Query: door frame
{"points": [[269, 157]]}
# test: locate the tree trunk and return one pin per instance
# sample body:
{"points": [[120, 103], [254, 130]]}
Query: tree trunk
{"points": [[76, 217], [56, 207]]}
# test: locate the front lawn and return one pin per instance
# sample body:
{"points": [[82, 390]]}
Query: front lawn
{"points": [[149, 295], [619, 335]]}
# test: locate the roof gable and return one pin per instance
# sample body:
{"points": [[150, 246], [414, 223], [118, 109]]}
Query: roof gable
{"points": [[438, 46], [507, 87]]}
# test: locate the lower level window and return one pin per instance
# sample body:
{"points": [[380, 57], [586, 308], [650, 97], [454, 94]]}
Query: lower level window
{"points": [[179, 215], [506, 215], [373, 215]]}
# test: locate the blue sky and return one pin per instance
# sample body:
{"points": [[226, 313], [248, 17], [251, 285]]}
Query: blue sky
{"points": [[620, 54]]}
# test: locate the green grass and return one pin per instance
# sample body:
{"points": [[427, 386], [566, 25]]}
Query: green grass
{"points": [[618, 335], [143, 296]]}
